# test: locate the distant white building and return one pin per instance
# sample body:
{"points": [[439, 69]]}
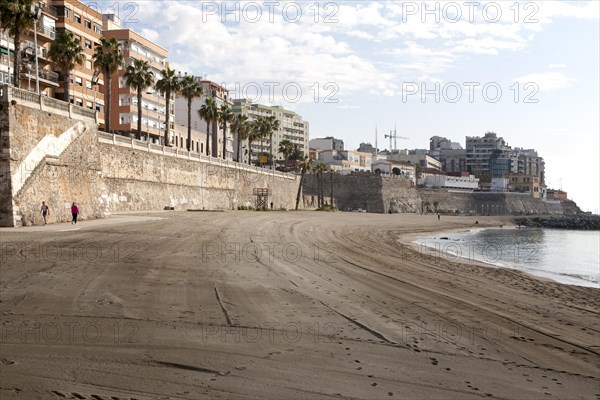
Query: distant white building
{"points": [[451, 182], [424, 160], [346, 161], [500, 184], [387, 167], [326, 143]]}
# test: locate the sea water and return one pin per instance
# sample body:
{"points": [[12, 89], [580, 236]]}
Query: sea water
{"points": [[566, 256]]}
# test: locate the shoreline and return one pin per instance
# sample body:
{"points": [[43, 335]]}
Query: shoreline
{"points": [[545, 276]]}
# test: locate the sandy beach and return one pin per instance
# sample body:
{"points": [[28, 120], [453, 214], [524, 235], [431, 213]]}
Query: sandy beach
{"points": [[281, 305]]}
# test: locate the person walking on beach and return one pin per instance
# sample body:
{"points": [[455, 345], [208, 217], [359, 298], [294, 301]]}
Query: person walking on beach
{"points": [[438, 216], [45, 211], [74, 212]]}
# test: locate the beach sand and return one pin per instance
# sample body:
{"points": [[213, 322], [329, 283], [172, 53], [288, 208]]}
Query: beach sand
{"points": [[281, 305]]}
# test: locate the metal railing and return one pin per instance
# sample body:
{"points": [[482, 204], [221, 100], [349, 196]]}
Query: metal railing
{"points": [[46, 31]]}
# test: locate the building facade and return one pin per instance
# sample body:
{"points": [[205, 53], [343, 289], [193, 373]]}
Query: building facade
{"points": [[346, 161], [416, 157], [124, 102], [85, 24], [484, 153], [291, 127], [522, 183], [326, 143], [221, 96], [47, 16]]}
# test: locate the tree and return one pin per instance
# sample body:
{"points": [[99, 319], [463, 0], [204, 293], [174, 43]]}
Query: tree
{"points": [[190, 89], [305, 165], [225, 117], [108, 58], [138, 77], [254, 133], [240, 127], [296, 153], [168, 85], [320, 169], [209, 113], [435, 206], [64, 53], [16, 18], [271, 125], [286, 147], [331, 173], [261, 131]]}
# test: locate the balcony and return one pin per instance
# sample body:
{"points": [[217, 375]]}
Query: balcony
{"points": [[49, 78], [49, 33]]}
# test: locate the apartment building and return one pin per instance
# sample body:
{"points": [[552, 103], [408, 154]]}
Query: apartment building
{"points": [[326, 143], [181, 135], [488, 156], [416, 157], [221, 96], [523, 183], [85, 24], [124, 102], [346, 161], [45, 33], [291, 127]]}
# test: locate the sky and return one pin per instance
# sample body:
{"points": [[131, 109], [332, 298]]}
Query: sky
{"points": [[528, 71]]}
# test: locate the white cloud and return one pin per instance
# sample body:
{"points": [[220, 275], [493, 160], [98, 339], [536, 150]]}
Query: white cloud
{"points": [[547, 80]]}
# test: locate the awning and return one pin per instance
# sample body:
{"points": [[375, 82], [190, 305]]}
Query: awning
{"points": [[6, 51]]}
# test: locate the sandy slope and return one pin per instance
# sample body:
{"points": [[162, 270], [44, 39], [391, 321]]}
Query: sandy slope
{"points": [[281, 305]]}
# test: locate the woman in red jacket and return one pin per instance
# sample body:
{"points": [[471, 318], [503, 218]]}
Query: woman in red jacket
{"points": [[74, 212]]}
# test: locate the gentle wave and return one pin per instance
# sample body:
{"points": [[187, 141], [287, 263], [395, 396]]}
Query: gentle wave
{"points": [[569, 257]]}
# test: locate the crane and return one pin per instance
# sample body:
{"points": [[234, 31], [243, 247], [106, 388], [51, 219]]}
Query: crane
{"points": [[393, 135]]}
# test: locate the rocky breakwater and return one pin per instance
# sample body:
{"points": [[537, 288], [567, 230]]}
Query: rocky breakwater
{"points": [[577, 222]]}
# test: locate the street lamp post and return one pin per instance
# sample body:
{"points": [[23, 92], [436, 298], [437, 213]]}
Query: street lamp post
{"points": [[95, 78], [36, 13]]}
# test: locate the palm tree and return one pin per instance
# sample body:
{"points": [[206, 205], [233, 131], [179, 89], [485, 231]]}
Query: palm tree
{"points": [[108, 58], [64, 53], [225, 117], [240, 127], [321, 168], [305, 166], [296, 153], [190, 88], [261, 131], [286, 148], [272, 124], [139, 76], [331, 173], [209, 113], [254, 133], [168, 85], [16, 18]]}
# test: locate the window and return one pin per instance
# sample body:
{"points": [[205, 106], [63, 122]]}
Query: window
{"points": [[89, 105], [67, 12], [88, 64], [79, 102], [88, 24], [78, 81], [78, 18], [88, 44], [98, 29], [77, 39], [88, 84]]}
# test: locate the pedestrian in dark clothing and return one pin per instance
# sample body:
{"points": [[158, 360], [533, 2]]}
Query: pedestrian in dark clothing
{"points": [[74, 212], [45, 211]]}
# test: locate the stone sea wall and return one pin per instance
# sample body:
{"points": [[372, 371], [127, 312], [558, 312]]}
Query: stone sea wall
{"points": [[60, 159]]}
